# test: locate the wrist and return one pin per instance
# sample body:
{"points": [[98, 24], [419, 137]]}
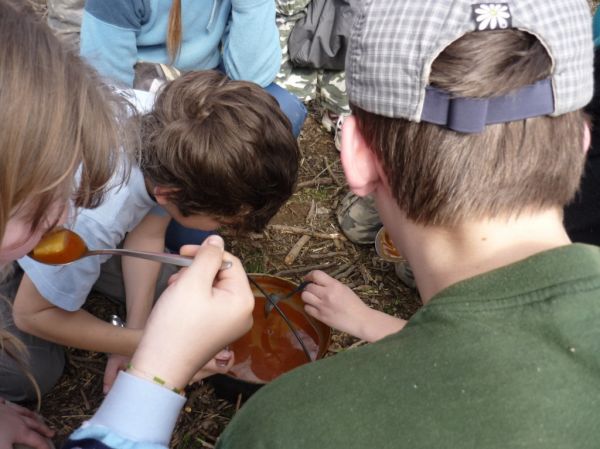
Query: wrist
{"points": [[165, 363], [131, 369]]}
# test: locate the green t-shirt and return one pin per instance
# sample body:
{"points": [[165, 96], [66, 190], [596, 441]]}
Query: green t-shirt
{"points": [[507, 359]]}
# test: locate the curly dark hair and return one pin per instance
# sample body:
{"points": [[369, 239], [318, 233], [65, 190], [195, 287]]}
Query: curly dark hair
{"points": [[223, 146]]}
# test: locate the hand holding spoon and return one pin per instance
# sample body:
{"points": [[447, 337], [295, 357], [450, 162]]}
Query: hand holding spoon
{"points": [[63, 246]]}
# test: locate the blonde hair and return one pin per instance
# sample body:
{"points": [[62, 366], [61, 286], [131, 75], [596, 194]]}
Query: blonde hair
{"points": [[55, 119], [174, 32]]}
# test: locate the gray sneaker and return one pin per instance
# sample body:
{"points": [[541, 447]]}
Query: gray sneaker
{"points": [[360, 222], [359, 219], [405, 274]]}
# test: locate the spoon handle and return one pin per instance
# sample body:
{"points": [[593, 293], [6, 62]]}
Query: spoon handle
{"points": [[173, 259]]}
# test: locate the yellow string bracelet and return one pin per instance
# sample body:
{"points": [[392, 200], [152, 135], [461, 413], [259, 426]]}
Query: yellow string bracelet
{"points": [[155, 379]]}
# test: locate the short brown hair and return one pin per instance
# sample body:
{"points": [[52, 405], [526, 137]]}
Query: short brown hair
{"points": [[224, 146], [441, 177]]}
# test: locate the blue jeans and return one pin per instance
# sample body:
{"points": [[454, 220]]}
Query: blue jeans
{"points": [[291, 106], [178, 235], [294, 109]]}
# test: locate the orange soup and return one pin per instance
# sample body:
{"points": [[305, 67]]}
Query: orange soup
{"points": [[270, 348], [59, 247]]}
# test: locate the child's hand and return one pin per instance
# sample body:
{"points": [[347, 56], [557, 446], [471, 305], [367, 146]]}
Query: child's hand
{"points": [[19, 425], [331, 302], [219, 364], [114, 364], [336, 305], [200, 313]]}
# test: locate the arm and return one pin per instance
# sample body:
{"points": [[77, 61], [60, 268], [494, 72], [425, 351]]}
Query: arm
{"points": [[35, 315], [109, 37], [331, 302], [251, 48], [140, 276], [202, 311]]}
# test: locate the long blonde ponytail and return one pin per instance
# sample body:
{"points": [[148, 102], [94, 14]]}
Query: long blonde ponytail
{"points": [[174, 33]]}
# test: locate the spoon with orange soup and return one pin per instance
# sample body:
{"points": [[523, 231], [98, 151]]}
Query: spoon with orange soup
{"points": [[63, 246]]}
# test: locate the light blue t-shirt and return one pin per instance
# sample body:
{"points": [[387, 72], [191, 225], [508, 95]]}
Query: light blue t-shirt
{"points": [[596, 28], [124, 206], [68, 286], [239, 35]]}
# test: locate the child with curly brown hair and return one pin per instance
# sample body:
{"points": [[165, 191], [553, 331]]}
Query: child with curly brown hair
{"points": [[192, 168]]}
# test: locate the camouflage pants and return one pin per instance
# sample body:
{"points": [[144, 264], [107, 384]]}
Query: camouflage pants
{"points": [[359, 219], [360, 222], [64, 17], [328, 87]]}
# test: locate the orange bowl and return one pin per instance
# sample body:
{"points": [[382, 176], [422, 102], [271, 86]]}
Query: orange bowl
{"points": [[385, 247], [270, 348]]}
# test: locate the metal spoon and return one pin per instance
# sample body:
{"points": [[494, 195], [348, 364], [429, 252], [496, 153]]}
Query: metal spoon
{"points": [[63, 246], [274, 299]]}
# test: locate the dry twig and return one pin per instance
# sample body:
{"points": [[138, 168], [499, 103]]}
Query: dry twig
{"points": [[304, 231], [295, 251], [304, 269], [315, 182]]}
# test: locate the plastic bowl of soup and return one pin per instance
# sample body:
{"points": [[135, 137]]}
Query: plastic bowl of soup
{"points": [[270, 348], [384, 247]]}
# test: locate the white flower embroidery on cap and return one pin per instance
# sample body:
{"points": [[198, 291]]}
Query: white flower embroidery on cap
{"points": [[490, 16]]}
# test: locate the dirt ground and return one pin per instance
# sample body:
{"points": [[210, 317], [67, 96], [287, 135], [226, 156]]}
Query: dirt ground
{"points": [[311, 211]]}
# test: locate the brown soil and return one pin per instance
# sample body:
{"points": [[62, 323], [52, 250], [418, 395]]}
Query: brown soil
{"points": [[312, 208], [321, 186]]}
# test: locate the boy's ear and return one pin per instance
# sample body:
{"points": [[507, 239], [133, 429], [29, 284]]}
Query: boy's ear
{"points": [[587, 136], [163, 194], [359, 162]]}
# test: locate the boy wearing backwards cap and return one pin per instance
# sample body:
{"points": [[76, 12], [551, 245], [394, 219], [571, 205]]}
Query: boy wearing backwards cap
{"points": [[467, 130]]}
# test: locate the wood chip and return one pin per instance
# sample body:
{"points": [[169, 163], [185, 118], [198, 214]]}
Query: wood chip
{"points": [[312, 212], [330, 171], [304, 269], [315, 182], [298, 230], [328, 255], [295, 251], [339, 270], [346, 273]]}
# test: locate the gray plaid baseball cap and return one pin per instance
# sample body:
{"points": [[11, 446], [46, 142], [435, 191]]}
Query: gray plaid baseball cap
{"points": [[393, 44]]}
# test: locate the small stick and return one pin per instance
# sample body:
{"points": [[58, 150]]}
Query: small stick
{"points": [[339, 269], [323, 247], [330, 171], [315, 182], [312, 212], [346, 273], [295, 251], [364, 273], [357, 344], [326, 255], [298, 230], [238, 403], [304, 269], [85, 400]]}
